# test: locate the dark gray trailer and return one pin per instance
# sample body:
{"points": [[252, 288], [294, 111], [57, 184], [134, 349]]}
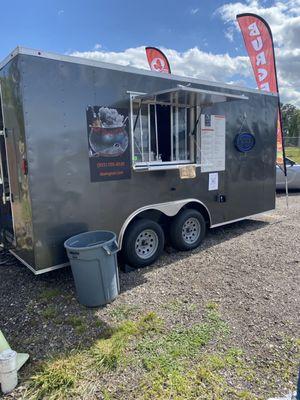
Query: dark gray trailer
{"points": [[87, 145]]}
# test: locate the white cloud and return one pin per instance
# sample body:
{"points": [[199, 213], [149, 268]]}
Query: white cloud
{"points": [[284, 18], [135, 57], [194, 11], [60, 12], [97, 46], [229, 34], [193, 62]]}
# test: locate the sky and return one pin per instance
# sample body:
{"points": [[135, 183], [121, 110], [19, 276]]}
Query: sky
{"points": [[200, 37]]}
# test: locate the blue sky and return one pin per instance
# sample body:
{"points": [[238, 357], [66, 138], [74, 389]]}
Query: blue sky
{"points": [[199, 37], [65, 26]]}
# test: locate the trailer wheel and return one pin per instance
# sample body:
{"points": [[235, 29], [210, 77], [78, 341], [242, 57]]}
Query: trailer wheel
{"points": [[187, 230], [143, 243]]}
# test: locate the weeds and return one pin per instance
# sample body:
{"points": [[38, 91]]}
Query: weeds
{"points": [[123, 312], [59, 378], [183, 363], [175, 306], [48, 294], [169, 360], [78, 323], [56, 379], [49, 312], [110, 352], [206, 380]]}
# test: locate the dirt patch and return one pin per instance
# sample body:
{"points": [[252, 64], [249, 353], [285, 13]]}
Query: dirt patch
{"points": [[249, 269]]}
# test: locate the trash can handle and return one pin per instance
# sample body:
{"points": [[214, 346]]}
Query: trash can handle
{"points": [[111, 248]]}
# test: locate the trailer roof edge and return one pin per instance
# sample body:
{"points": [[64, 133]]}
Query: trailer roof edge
{"points": [[117, 67]]}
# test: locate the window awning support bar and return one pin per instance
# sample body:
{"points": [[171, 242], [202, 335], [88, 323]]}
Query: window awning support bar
{"points": [[149, 135], [156, 132], [185, 128], [142, 135], [177, 133], [193, 133], [137, 116], [172, 131]]}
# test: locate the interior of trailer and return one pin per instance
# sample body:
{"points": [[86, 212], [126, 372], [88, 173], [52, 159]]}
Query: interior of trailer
{"points": [[165, 126]]}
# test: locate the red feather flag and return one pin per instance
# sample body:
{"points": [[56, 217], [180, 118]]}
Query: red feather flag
{"points": [[157, 60], [259, 44]]}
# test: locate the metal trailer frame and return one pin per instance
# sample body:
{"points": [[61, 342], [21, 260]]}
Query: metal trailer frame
{"points": [[43, 103]]}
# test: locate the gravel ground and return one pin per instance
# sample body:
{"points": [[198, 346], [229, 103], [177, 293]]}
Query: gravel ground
{"points": [[250, 268]]}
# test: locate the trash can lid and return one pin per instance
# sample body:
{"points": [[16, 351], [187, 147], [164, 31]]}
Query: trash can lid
{"points": [[88, 240]]}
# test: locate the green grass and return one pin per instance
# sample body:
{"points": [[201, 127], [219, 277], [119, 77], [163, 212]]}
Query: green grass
{"points": [[179, 363], [48, 294], [123, 312], [207, 379], [60, 378], [56, 380], [49, 312], [176, 306], [169, 360], [109, 352], [179, 343], [78, 323], [293, 153]]}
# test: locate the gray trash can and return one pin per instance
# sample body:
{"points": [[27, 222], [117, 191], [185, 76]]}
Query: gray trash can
{"points": [[94, 266]]}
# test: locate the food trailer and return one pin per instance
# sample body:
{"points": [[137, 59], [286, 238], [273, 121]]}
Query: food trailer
{"points": [[87, 145]]}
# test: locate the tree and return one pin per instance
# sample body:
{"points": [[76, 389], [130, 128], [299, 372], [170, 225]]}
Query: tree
{"points": [[290, 120]]}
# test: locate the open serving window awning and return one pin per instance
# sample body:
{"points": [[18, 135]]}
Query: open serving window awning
{"points": [[188, 97]]}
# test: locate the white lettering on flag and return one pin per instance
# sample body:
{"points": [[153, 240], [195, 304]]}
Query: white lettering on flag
{"points": [[254, 31], [265, 86], [257, 44], [261, 59], [262, 74]]}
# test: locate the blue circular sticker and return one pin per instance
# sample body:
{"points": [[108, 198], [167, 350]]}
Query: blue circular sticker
{"points": [[244, 142]]}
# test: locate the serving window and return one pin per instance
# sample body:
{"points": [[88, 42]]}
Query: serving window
{"points": [[161, 134], [165, 126]]}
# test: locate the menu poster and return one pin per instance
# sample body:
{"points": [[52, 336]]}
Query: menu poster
{"points": [[108, 140], [212, 143]]}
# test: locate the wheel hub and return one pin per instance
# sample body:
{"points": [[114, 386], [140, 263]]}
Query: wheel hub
{"points": [[146, 244], [191, 230]]}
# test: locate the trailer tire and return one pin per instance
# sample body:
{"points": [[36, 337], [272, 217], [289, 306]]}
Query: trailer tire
{"points": [[143, 243], [187, 230]]}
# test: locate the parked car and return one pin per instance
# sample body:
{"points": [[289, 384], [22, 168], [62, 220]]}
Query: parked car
{"points": [[293, 175]]}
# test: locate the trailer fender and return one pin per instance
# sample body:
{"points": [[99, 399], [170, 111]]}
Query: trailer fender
{"points": [[170, 209]]}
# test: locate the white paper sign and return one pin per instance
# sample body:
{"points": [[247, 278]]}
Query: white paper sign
{"points": [[212, 143], [213, 181]]}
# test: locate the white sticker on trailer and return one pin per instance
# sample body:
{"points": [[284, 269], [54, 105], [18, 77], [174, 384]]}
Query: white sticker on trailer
{"points": [[212, 143], [213, 181]]}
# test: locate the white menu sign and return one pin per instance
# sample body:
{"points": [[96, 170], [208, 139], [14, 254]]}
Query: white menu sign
{"points": [[212, 145]]}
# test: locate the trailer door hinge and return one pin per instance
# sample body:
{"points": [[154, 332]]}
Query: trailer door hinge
{"points": [[1, 133]]}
